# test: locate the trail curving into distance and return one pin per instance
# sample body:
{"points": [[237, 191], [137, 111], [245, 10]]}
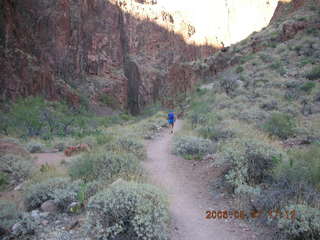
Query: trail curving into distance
{"points": [[189, 199]]}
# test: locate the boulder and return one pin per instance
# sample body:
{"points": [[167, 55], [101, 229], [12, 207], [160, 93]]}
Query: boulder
{"points": [[49, 206], [16, 229]]}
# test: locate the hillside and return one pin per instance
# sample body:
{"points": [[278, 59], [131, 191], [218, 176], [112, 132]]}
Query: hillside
{"points": [[119, 50], [258, 105], [85, 149]]}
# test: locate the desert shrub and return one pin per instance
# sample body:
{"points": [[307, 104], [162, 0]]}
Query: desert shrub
{"points": [[62, 191], [131, 145], [305, 225], [16, 167], [35, 147], [87, 190], [9, 214], [314, 73], [191, 147], [148, 128], [252, 115], [247, 58], [3, 180], [34, 116], [266, 58], [286, 190], [202, 116], [128, 211], [25, 115], [36, 194], [228, 84], [26, 226], [215, 133], [269, 105], [108, 100], [308, 86], [307, 160], [64, 196], [83, 167], [105, 165], [281, 125], [251, 161], [239, 69], [292, 94], [103, 138], [278, 67]]}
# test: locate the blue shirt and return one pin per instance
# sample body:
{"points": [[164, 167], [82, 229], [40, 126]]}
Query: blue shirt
{"points": [[171, 116]]}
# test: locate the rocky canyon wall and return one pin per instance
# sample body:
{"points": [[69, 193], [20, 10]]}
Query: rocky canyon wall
{"points": [[68, 48], [125, 49]]}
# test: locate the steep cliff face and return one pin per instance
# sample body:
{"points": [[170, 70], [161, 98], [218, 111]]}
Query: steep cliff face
{"points": [[127, 50], [68, 48]]}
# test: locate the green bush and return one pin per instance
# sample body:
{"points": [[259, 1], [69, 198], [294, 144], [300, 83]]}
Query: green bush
{"points": [[108, 100], [128, 211], [9, 214], [307, 161], [251, 161], [34, 116], [191, 147], [36, 194], [103, 138], [239, 69], [16, 167], [25, 115], [131, 145], [62, 191], [305, 225], [35, 147], [87, 190], [216, 133], [314, 73], [3, 180], [266, 58], [202, 116], [66, 195], [308, 86], [105, 166], [281, 125]]}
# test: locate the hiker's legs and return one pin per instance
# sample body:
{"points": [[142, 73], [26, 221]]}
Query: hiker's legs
{"points": [[172, 125]]}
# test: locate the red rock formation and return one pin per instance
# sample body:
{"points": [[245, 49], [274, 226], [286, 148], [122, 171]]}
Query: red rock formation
{"points": [[82, 147], [67, 48], [286, 7]]}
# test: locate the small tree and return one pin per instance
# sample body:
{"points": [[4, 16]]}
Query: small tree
{"points": [[26, 114], [228, 84]]}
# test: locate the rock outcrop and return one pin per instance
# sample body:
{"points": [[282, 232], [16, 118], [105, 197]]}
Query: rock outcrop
{"points": [[67, 48], [129, 51]]}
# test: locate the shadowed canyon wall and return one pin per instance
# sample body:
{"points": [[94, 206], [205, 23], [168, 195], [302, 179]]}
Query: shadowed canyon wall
{"points": [[67, 49]]}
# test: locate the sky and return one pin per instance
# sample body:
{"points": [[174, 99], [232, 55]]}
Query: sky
{"points": [[212, 18]]}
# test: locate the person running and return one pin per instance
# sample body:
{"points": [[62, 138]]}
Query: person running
{"points": [[171, 120]]}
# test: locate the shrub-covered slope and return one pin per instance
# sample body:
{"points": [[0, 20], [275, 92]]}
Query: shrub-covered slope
{"points": [[259, 104]]}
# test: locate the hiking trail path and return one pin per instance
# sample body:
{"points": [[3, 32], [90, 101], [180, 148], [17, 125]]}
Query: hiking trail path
{"points": [[186, 184]]}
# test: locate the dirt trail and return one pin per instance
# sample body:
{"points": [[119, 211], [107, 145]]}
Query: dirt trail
{"points": [[187, 187]]}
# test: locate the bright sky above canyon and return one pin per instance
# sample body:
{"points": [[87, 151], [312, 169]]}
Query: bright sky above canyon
{"points": [[223, 18]]}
